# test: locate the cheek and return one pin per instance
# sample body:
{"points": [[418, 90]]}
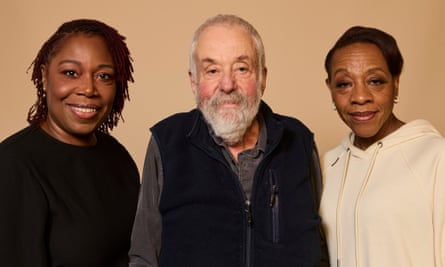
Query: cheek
{"points": [[56, 89], [386, 100], [110, 94], [249, 87], [206, 89], [339, 101], [387, 108], [341, 105]]}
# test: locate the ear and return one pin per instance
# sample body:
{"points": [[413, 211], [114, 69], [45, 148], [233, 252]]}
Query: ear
{"points": [[396, 86], [328, 85], [327, 82], [264, 80], [44, 72], [193, 83]]}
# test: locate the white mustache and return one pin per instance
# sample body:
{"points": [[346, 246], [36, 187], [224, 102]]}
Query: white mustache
{"points": [[223, 98]]}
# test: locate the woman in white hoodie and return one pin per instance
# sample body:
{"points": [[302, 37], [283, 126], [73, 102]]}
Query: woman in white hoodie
{"points": [[384, 195]]}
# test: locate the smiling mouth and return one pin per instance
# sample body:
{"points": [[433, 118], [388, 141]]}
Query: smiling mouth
{"points": [[362, 116], [85, 110]]}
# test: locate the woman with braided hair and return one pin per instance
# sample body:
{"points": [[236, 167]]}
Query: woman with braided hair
{"points": [[68, 190]]}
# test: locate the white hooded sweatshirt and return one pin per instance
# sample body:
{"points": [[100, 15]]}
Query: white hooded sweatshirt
{"points": [[385, 206]]}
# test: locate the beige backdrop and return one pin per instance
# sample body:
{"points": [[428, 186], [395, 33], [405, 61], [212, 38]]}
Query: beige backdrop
{"points": [[297, 35]]}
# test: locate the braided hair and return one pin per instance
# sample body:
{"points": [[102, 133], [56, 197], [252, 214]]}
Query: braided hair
{"points": [[119, 53]]}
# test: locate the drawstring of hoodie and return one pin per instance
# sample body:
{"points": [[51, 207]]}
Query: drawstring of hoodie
{"points": [[340, 200], [359, 197]]}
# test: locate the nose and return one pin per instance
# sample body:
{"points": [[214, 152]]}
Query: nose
{"points": [[360, 94], [87, 86], [227, 82]]}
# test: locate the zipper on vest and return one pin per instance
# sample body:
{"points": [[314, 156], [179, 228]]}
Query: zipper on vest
{"points": [[274, 206], [249, 213], [248, 209]]}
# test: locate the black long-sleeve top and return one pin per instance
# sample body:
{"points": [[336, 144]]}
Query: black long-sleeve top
{"points": [[65, 205]]}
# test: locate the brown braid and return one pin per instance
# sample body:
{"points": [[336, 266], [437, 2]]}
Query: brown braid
{"points": [[119, 53]]}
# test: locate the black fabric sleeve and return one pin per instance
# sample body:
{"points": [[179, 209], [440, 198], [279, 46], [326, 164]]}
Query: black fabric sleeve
{"points": [[23, 208]]}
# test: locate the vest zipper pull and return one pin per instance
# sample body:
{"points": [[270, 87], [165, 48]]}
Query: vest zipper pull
{"points": [[273, 196], [249, 212]]}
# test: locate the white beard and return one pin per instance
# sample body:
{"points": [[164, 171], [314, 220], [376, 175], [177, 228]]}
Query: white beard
{"points": [[230, 124]]}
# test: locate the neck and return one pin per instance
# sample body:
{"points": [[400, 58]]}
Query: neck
{"points": [[80, 140], [364, 142]]}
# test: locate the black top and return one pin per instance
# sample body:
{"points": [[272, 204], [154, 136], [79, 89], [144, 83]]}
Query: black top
{"points": [[65, 205]]}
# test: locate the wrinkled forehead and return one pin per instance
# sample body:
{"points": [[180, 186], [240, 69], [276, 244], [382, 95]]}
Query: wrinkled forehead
{"points": [[224, 40]]}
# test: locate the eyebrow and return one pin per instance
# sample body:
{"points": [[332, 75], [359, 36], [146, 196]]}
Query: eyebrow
{"points": [[212, 61], [243, 57], [367, 71], [338, 71], [376, 69], [70, 61], [208, 60]]}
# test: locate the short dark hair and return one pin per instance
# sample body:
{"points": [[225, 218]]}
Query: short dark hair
{"points": [[384, 41], [120, 55]]}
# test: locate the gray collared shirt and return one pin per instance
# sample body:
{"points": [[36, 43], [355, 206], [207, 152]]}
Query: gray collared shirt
{"points": [[248, 160]]}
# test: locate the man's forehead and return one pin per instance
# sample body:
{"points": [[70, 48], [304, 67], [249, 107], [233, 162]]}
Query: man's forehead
{"points": [[225, 44], [224, 34]]}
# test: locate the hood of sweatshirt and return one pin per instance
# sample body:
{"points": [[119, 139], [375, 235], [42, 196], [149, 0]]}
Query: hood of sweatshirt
{"points": [[412, 130]]}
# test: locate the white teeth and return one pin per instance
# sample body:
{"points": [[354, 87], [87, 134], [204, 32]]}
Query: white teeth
{"points": [[85, 110]]}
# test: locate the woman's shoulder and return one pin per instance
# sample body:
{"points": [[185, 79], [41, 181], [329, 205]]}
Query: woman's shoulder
{"points": [[112, 146], [109, 141], [20, 140], [424, 135]]}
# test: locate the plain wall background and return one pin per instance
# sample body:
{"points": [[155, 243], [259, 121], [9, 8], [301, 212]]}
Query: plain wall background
{"points": [[296, 34]]}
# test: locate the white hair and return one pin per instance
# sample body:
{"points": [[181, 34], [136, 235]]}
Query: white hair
{"points": [[228, 19]]}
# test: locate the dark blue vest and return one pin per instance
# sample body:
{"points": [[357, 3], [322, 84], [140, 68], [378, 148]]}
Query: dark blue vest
{"points": [[205, 219]]}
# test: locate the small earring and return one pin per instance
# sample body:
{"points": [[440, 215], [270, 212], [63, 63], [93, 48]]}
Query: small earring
{"points": [[396, 100], [333, 106]]}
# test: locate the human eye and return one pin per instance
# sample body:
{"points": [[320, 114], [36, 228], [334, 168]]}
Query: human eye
{"points": [[342, 84], [212, 71], [242, 68], [105, 76], [376, 81], [70, 73]]}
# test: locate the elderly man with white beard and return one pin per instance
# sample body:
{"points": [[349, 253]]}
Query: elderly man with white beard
{"points": [[229, 183]]}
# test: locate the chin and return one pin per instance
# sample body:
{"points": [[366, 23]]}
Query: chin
{"points": [[363, 131], [85, 131], [365, 134]]}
